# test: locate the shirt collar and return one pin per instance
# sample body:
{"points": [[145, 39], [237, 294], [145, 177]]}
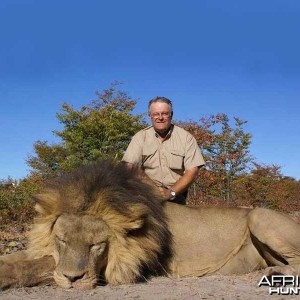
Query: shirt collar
{"points": [[168, 134]]}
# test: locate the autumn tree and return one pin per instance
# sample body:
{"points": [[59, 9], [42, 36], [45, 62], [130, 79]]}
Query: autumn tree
{"points": [[100, 129], [225, 149], [265, 186]]}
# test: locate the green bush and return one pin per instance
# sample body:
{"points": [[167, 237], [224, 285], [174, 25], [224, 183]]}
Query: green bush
{"points": [[16, 206]]}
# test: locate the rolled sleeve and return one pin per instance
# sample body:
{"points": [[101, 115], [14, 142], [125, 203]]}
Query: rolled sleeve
{"points": [[193, 157], [133, 153]]}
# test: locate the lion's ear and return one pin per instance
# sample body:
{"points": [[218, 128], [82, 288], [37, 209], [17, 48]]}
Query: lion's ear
{"points": [[135, 224], [46, 202], [134, 220], [138, 215]]}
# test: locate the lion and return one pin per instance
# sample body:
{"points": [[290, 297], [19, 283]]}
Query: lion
{"points": [[106, 224]]}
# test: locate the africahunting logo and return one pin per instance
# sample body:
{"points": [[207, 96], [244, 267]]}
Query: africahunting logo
{"points": [[281, 284]]}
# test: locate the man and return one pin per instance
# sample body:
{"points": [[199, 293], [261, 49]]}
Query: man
{"points": [[168, 154]]}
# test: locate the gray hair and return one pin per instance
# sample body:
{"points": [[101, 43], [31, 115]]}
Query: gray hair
{"points": [[162, 100]]}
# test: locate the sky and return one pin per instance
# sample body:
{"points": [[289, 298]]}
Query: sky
{"points": [[236, 57]]}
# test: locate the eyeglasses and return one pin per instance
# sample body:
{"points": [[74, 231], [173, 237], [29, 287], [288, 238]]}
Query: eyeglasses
{"points": [[163, 115]]}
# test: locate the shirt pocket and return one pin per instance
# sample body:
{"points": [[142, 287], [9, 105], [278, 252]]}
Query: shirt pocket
{"points": [[149, 159], [176, 160]]}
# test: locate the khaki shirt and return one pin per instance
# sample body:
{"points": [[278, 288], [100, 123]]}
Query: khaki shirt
{"points": [[164, 161]]}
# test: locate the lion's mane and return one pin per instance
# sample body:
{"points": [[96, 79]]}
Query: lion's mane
{"points": [[142, 243]]}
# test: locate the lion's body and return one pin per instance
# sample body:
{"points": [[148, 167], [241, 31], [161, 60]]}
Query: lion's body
{"points": [[104, 221]]}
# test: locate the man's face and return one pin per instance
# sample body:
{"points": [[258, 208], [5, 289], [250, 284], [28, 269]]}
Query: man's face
{"points": [[161, 116]]}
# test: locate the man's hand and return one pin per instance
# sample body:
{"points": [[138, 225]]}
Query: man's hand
{"points": [[165, 193]]}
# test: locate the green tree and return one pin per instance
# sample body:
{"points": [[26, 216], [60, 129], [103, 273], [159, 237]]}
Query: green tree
{"points": [[48, 159], [100, 129]]}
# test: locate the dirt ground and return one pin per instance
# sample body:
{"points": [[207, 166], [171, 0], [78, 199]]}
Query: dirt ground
{"points": [[211, 287]]}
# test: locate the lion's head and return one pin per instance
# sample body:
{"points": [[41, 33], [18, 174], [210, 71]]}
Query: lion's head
{"points": [[101, 220], [81, 250]]}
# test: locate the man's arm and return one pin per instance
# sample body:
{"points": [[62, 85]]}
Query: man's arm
{"points": [[193, 161], [182, 184], [133, 153]]}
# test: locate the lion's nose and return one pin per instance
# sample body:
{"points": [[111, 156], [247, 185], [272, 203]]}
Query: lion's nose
{"points": [[73, 278]]}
